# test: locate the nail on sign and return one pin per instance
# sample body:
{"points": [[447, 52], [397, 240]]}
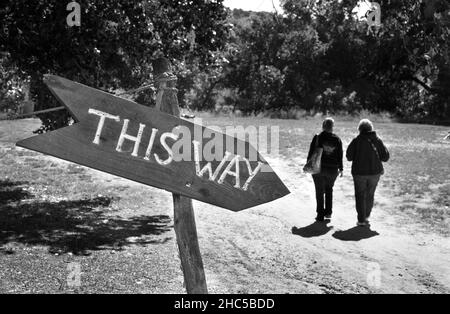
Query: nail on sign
{"points": [[139, 143]]}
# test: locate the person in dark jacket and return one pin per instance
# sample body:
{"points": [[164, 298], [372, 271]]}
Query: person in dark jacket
{"points": [[367, 152], [331, 166]]}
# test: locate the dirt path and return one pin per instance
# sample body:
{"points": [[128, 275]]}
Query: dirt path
{"points": [[273, 248], [278, 248], [258, 250]]}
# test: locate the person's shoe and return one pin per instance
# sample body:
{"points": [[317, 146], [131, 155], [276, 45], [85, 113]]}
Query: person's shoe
{"points": [[328, 216], [320, 218], [362, 224]]}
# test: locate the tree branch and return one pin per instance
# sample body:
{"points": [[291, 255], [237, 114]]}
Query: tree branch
{"points": [[421, 83]]}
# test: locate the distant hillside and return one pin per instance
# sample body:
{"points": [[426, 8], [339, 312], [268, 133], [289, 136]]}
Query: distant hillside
{"points": [[242, 19]]}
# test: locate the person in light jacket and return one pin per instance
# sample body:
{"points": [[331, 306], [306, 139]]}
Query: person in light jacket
{"points": [[367, 153]]}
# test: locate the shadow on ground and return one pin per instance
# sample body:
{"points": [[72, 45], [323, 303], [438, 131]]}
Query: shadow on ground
{"points": [[72, 226], [12, 192], [315, 229], [355, 234]]}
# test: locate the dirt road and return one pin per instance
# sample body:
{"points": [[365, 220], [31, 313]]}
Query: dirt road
{"points": [[54, 213], [279, 248]]}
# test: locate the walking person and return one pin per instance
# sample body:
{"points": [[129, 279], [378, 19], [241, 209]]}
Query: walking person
{"points": [[367, 152], [331, 166]]}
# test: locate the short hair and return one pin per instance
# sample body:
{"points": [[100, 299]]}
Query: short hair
{"points": [[328, 124], [365, 125]]}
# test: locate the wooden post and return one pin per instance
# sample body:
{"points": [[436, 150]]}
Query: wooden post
{"points": [[184, 219]]}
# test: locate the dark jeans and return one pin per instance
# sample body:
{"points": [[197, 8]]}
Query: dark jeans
{"points": [[324, 182], [365, 187]]}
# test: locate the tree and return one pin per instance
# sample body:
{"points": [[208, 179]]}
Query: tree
{"points": [[114, 45], [319, 56]]}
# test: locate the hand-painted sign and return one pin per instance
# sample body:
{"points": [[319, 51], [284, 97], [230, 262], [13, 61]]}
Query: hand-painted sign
{"points": [[139, 143]]}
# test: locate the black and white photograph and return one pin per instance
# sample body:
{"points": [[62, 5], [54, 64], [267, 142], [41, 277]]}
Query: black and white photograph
{"points": [[233, 150]]}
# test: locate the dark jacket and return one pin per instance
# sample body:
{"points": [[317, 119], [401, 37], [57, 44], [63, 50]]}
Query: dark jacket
{"points": [[332, 150], [362, 153]]}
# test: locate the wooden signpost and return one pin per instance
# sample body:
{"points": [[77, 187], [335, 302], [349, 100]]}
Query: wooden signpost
{"points": [[183, 211], [157, 148]]}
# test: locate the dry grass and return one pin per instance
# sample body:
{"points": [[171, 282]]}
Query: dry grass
{"points": [[418, 173]]}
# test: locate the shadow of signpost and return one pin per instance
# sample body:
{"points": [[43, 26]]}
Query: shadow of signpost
{"points": [[72, 226], [11, 192], [355, 234], [315, 229]]}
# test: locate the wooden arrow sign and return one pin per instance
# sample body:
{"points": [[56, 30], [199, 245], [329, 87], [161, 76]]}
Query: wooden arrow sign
{"points": [[139, 143]]}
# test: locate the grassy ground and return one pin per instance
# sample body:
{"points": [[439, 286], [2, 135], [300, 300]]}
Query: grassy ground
{"points": [[54, 213], [418, 173]]}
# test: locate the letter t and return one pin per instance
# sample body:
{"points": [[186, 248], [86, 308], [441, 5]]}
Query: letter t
{"points": [[101, 122]]}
